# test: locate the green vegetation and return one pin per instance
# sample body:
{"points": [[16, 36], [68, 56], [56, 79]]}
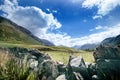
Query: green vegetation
{"points": [[12, 68], [11, 34], [56, 52], [4, 44], [39, 47], [64, 56]]}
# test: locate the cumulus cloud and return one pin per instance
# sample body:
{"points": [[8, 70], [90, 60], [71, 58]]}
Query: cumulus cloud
{"points": [[32, 18], [104, 6], [39, 22]]}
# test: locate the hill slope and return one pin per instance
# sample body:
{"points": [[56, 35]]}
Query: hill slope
{"points": [[13, 33], [86, 47]]}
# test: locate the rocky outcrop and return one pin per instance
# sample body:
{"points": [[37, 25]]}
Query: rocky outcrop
{"points": [[49, 70], [107, 57], [107, 52], [108, 49], [45, 67], [77, 66], [75, 70], [108, 69], [61, 77]]}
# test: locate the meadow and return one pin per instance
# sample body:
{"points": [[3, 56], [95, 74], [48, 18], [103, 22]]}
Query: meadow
{"points": [[64, 56], [57, 53], [19, 69]]}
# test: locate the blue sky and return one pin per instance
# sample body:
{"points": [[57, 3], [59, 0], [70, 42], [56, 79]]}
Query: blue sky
{"points": [[68, 23]]}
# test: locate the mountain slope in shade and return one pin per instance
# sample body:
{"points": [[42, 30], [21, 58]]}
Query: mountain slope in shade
{"points": [[112, 41], [13, 33], [86, 46]]}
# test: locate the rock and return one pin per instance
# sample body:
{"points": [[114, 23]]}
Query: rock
{"points": [[108, 49], [46, 68], [77, 62], [76, 65], [107, 52], [61, 68], [107, 56], [95, 77], [33, 63], [108, 69], [61, 77], [92, 69], [87, 64], [112, 41], [74, 76], [49, 69], [78, 76]]}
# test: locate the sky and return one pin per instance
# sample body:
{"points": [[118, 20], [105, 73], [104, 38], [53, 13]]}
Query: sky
{"points": [[66, 23]]}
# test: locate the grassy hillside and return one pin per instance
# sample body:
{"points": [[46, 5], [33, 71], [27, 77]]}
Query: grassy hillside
{"points": [[11, 34]]}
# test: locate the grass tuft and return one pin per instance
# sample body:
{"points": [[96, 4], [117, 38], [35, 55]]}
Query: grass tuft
{"points": [[15, 69]]}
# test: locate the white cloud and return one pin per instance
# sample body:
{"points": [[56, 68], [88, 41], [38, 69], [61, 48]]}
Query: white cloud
{"points": [[51, 11], [104, 6], [38, 22], [54, 11], [48, 9], [98, 37], [66, 40], [97, 16], [98, 28], [32, 18]]}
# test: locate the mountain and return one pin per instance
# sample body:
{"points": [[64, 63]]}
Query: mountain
{"points": [[112, 41], [13, 33], [86, 47]]}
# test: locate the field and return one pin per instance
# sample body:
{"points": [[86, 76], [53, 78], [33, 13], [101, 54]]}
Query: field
{"points": [[10, 65], [57, 53], [64, 56]]}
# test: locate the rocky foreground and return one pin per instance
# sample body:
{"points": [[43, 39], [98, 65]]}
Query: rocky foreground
{"points": [[105, 67]]}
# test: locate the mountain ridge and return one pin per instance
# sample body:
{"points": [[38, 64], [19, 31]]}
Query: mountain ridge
{"points": [[86, 47], [8, 24]]}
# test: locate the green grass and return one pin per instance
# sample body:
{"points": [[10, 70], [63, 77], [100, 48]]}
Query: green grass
{"points": [[6, 44], [56, 52], [12, 68], [11, 34], [39, 47], [64, 56]]}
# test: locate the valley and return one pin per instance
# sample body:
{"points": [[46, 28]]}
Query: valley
{"points": [[60, 54], [23, 56]]}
